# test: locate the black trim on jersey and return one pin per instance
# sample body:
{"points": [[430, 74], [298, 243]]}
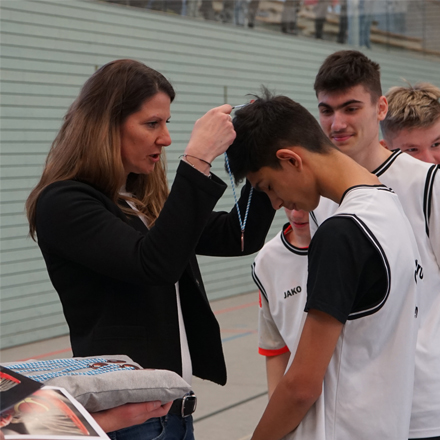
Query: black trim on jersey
{"points": [[382, 168], [370, 236], [313, 217], [258, 282], [380, 186], [427, 195], [386, 188], [289, 246]]}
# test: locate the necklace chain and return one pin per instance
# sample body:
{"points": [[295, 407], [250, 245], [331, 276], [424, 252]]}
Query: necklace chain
{"points": [[242, 222]]}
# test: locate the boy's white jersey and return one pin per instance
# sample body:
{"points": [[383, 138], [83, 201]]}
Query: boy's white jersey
{"points": [[418, 186], [280, 272], [368, 385], [363, 397]]}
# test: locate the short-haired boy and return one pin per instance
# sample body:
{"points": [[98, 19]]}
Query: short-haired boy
{"points": [[412, 123], [351, 105], [280, 273], [361, 323]]}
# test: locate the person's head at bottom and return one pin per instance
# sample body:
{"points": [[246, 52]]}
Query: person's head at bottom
{"points": [[299, 232]]}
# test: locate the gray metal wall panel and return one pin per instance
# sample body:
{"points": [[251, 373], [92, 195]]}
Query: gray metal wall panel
{"points": [[48, 50]]}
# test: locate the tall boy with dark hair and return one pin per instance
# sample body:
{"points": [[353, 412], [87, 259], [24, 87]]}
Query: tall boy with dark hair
{"points": [[361, 324], [351, 105]]}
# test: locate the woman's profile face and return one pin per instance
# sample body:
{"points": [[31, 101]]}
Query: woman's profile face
{"points": [[144, 134]]}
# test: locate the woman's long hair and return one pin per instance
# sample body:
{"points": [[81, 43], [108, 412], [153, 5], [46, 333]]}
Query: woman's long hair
{"points": [[88, 146]]}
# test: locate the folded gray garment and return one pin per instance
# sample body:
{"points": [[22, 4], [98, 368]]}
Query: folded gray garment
{"points": [[106, 390]]}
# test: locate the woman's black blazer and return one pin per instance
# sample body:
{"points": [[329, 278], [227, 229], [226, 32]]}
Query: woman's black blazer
{"points": [[116, 279]]}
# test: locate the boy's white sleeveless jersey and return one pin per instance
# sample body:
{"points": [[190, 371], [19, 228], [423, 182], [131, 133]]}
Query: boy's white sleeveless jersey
{"points": [[368, 385], [417, 184], [280, 272]]}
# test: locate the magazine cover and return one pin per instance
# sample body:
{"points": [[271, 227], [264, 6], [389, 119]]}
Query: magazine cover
{"points": [[49, 413]]}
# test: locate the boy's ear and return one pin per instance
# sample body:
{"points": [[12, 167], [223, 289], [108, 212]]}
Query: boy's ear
{"points": [[290, 156], [382, 108]]}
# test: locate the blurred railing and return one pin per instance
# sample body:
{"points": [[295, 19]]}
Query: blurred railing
{"points": [[392, 24]]}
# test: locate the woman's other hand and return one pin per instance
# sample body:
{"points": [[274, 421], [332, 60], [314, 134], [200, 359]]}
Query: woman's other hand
{"points": [[212, 135], [130, 414]]}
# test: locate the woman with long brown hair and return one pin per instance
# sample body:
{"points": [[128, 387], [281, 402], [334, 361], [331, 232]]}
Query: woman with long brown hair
{"points": [[120, 247]]}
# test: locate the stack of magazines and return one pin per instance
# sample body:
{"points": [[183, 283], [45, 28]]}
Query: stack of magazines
{"points": [[29, 410]]}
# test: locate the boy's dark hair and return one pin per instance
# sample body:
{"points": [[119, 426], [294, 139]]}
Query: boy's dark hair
{"points": [[268, 124], [349, 68]]}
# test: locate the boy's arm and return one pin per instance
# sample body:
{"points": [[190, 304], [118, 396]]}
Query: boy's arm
{"points": [[275, 368], [302, 384]]}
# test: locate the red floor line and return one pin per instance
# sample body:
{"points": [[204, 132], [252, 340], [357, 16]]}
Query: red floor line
{"points": [[242, 330], [218, 312], [231, 309], [39, 356]]}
